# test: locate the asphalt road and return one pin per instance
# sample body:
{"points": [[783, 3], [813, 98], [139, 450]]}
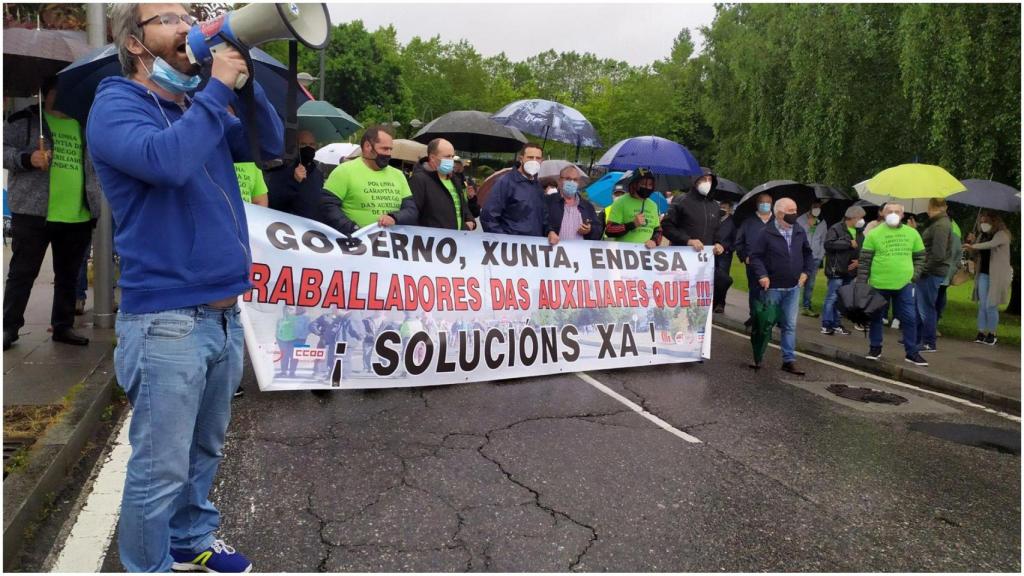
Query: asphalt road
{"points": [[550, 474]]}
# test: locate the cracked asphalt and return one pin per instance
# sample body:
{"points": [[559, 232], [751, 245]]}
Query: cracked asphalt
{"points": [[549, 474]]}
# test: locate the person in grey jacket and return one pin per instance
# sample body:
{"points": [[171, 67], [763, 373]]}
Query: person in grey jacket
{"points": [[54, 199], [938, 242], [816, 230], [991, 251]]}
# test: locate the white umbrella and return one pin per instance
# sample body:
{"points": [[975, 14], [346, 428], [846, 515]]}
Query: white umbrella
{"points": [[552, 168], [333, 153]]}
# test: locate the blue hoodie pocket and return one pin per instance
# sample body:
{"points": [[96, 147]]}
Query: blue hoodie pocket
{"points": [[216, 250]]}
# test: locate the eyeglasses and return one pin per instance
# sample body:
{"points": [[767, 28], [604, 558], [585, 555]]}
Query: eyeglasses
{"points": [[169, 19]]}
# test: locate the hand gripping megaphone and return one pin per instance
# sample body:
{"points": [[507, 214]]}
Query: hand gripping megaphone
{"points": [[255, 24]]}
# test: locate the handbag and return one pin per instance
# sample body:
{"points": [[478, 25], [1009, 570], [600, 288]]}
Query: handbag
{"points": [[964, 272]]}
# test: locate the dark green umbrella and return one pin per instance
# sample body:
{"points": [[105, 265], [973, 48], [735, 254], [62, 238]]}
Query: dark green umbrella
{"points": [[764, 317], [326, 122]]}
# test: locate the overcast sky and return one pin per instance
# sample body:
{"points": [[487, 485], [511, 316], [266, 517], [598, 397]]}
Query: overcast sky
{"points": [[637, 33]]}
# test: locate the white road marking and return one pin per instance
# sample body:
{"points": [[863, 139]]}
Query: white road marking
{"points": [[636, 408], [889, 381], [87, 544]]}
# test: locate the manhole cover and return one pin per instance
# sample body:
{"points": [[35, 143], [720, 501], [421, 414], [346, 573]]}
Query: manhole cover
{"points": [[996, 439], [865, 395]]}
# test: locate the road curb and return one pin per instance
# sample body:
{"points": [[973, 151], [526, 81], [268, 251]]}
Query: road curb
{"points": [[888, 369], [29, 491]]}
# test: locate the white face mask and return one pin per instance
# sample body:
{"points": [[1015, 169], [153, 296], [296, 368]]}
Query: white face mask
{"points": [[704, 188], [859, 224], [531, 167], [986, 227], [892, 219], [815, 212], [551, 190]]}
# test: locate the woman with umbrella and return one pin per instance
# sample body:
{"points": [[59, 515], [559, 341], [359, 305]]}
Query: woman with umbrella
{"points": [[995, 275]]}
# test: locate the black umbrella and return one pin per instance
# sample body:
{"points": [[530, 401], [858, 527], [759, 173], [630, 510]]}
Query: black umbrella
{"points": [[472, 131], [988, 194], [833, 202], [31, 56], [802, 194], [76, 84]]}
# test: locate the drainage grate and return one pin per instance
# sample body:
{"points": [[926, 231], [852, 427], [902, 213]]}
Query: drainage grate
{"points": [[997, 439], [866, 395], [11, 447]]}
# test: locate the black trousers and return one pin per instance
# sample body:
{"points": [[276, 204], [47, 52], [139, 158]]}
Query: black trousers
{"points": [[722, 278], [31, 235]]}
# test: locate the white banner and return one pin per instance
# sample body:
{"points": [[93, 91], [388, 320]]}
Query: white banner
{"points": [[412, 306]]}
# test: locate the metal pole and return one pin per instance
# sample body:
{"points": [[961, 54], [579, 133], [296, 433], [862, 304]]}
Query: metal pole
{"points": [[103, 239], [323, 72]]}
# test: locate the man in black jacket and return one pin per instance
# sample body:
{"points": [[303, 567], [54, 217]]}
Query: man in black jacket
{"points": [[693, 218], [438, 196], [748, 236], [296, 189], [569, 216], [726, 238], [842, 249], [782, 261]]}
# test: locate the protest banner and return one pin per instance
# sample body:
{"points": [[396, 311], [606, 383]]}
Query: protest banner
{"points": [[410, 306]]}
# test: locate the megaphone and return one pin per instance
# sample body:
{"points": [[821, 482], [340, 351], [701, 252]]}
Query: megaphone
{"points": [[255, 24]]}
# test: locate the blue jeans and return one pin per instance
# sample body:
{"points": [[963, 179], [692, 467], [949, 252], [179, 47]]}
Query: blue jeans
{"points": [[927, 296], [830, 317], [179, 369], [787, 299], [809, 285], [903, 301], [988, 316]]}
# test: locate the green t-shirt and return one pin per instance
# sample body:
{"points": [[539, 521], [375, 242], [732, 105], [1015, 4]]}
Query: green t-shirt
{"points": [[892, 266], [455, 199], [625, 209], [67, 179], [853, 232], [250, 180], [367, 194], [956, 228]]}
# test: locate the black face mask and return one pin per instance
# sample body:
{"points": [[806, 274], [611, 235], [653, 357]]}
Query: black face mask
{"points": [[382, 161], [306, 155], [789, 219], [644, 193]]}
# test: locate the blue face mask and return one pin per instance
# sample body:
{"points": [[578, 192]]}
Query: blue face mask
{"points": [[165, 76], [446, 166], [764, 208], [569, 189]]}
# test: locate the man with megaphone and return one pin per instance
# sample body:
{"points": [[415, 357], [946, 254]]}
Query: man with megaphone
{"points": [[166, 164]]}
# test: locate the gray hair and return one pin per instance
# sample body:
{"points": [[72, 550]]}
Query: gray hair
{"points": [[564, 171], [893, 207], [124, 23], [854, 213], [781, 202]]}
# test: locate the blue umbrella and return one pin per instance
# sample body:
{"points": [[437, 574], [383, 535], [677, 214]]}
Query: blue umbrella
{"points": [[659, 155], [662, 202], [550, 121], [600, 191], [988, 194], [76, 84]]}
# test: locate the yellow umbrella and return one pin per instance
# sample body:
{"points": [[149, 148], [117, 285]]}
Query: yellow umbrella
{"points": [[910, 182]]}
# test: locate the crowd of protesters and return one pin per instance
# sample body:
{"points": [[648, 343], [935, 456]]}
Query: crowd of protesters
{"points": [[179, 355]]}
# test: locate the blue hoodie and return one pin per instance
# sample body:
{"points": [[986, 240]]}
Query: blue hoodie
{"points": [[170, 179]]}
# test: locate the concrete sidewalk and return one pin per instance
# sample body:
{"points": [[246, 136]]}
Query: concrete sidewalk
{"points": [[987, 374], [41, 373]]}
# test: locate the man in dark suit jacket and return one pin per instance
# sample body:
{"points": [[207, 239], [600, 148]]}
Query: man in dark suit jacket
{"points": [[782, 261], [438, 195], [569, 216]]}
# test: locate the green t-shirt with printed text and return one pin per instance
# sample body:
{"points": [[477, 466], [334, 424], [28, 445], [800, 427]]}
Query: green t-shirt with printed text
{"points": [[67, 177], [455, 200], [367, 194], [250, 180], [625, 209], [892, 265]]}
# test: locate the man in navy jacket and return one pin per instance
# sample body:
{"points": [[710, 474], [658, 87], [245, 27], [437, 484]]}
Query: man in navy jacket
{"points": [[748, 235], [166, 164], [782, 261], [516, 202], [570, 217]]}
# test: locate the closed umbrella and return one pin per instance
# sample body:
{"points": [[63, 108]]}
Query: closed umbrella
{"points": [[988, 194], [802, 194], [764, 316], [549, 120], [659, 155], [472, 131], [326, 122]]}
